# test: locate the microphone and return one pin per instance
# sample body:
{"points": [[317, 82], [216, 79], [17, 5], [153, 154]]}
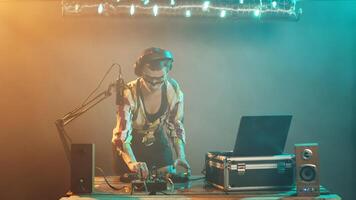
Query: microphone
{"points": [[120, 87]]}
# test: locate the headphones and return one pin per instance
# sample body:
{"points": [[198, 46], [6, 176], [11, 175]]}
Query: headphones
{"points": [[151, 54]]}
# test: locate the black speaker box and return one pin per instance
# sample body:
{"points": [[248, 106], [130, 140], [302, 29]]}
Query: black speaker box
{"points": [[82, 168], [307, 169]]}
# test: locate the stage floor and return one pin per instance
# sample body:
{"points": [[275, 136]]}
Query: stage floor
{"points": [[195, 189]]}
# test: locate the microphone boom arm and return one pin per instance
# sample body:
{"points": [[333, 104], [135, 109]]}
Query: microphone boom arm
{"points": [[74, 114]]}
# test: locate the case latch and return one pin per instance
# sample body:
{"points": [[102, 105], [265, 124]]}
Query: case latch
{"points": [[241, 168], [281, 167]]}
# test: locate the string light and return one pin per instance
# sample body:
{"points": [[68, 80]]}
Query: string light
{"points": [[223, 13], [155, 10], [188, 13], [100, 8], [77, 6], [235, 9], [206, 5], [257, 13], [132, 9]]}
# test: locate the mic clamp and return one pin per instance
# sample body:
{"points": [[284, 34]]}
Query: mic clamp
{"points": [[120, 87]]}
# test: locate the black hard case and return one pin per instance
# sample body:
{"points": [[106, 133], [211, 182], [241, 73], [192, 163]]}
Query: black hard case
{"points": [[231, 173]]}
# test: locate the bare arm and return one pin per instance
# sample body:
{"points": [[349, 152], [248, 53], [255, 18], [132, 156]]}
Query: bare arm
{"points": [[127, 154], [122, 132], [179, 147], [178, 134]]}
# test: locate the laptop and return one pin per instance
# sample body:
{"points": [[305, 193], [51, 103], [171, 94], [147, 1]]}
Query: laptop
{"points": [[262, 135]]}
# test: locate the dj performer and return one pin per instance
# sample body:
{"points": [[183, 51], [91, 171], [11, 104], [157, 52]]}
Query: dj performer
{"points": [[150, 119]]}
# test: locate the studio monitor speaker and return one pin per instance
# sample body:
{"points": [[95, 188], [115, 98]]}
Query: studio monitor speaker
{"points": [[82, 168], [307, 169]]}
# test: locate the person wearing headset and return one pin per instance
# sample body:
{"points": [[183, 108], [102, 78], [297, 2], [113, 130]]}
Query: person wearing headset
{"points": [[150, 119]]}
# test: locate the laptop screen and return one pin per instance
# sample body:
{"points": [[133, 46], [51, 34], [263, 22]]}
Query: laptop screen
{"points": [[262, 135]]}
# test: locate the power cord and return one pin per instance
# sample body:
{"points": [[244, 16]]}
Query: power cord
{"points": [[107, 182], [97, 87], [196, 179]]}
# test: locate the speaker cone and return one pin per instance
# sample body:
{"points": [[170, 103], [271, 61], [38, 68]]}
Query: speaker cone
{"points": [[307, 172]]}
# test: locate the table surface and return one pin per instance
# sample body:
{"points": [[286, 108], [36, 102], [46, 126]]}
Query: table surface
{"points": [[195, 189]]}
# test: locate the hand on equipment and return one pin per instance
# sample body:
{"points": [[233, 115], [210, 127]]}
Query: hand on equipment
{"points": [[183, 163], [140, 168]]}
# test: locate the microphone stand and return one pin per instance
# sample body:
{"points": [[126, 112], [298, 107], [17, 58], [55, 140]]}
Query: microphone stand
{"points": [[77, 112]]}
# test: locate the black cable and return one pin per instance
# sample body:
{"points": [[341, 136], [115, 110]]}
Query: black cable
{"points": [[107, 72], [77, 110], [203, 171], [107, 182], [197, 179], [164, 193]]}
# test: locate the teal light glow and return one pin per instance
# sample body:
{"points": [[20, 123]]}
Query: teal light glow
{"points": [[146, 2], [274, 4], [257, 13]]}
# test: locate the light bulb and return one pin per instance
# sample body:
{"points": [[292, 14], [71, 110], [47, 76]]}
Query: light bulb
{"points": [[206, 5], [132, 9], [155, 10], [223, 13]]}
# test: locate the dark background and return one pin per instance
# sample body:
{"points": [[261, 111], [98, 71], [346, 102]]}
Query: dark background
{"points": [[227, 68]]}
